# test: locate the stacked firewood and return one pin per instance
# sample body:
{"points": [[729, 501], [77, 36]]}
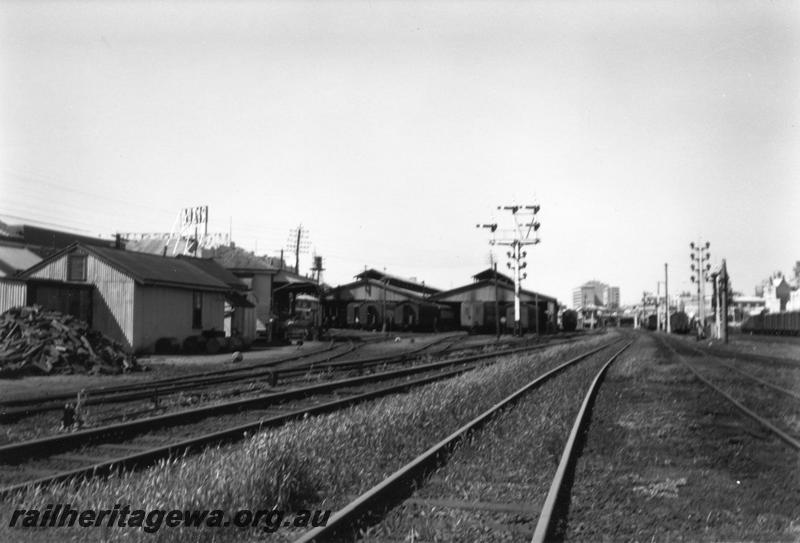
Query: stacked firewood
{"points": [[33, 340]]}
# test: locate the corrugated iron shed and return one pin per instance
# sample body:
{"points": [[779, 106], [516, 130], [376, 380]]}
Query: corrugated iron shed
{"points": [[147, 269]]}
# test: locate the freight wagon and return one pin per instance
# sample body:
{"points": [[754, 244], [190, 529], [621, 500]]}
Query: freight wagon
{"points": [[679, 323], [787, 323]]}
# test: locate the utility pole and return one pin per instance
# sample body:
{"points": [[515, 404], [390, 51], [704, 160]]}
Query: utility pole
{"points": [[384, 282], [658, 314], [493, 227], [298, 243], [666, 297], [701, 256], [525, 224]]}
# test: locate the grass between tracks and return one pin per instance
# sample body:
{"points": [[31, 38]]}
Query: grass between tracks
{"points": [[316, 463]]}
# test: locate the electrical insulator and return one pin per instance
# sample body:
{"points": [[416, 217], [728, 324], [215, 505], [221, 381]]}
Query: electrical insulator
{"points": [[692, 267], [693, 279], [691, 245], [708, 245], [524, 275], [524, 254]]}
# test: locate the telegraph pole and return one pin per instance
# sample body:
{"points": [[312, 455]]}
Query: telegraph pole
{"points": [[666, 297], [298, 243], [701, 256], [493, 227], [525, 224]]}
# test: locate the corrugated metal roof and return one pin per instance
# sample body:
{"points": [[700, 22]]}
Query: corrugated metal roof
{"points": [[400, 282], [158, 270], [490, 283], [236, 258], [146, 269], [216, 270], [14, 259]]}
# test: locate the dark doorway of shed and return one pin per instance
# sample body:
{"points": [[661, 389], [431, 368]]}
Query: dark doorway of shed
{"points": [[75, 300], [372, 317], [409, 317]]}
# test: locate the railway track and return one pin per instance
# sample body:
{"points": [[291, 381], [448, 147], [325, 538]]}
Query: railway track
{"points": [[753, 401], [371, 507], [140, 443], [37, 421], [157, 390]]}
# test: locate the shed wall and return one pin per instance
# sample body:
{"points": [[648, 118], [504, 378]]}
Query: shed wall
{"points": [[112, 299], [167, 312], [12, 294]]}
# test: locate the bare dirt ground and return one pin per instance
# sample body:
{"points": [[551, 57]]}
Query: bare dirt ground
{"points": [[162, 366], [159, 368], [667, 459], [778, 346]]}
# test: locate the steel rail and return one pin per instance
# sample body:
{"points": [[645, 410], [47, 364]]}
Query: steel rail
{"points": [[790, 440], [790, 362], [272, 375], [547, 517], [54, 444], [399, 484], [146, 458], [749, 375], [200, 377], [142, 391], [165, 381], [50, 445]]}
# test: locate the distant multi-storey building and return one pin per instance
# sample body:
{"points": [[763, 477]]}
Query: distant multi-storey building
{"points": [[595, 294], [592, 299], [611, 297]]}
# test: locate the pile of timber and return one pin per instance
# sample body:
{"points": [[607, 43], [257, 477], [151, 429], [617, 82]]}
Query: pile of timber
{"points": [[33, 340]]}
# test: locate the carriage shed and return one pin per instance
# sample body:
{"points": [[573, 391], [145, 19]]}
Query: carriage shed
{"points": [[134, 298], [474, 304], [376, 296]]}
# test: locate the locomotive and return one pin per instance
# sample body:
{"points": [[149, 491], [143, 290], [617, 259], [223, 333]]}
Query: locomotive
{"points": [[298, 313]]}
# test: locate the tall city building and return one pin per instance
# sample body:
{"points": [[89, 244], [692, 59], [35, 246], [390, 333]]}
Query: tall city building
{"points": [[597, 294]]}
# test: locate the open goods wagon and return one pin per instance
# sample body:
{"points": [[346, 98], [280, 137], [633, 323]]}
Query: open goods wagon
{"points": [[679, 323], [786, 324]]}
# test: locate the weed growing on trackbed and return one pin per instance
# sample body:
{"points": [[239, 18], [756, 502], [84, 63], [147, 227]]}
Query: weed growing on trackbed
{"points": [[315, 463]]}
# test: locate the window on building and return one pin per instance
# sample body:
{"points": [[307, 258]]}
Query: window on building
{"points": [[197, 310], [76, 268]]}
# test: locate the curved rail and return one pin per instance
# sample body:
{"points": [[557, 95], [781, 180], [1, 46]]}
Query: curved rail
{"points": [[54, 444], [16, 409], [547, 518], [400, 483], [790, 440], [107, 394], [750, 376]]}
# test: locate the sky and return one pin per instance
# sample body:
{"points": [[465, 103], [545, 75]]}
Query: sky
{"points": [[390, 129]]}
